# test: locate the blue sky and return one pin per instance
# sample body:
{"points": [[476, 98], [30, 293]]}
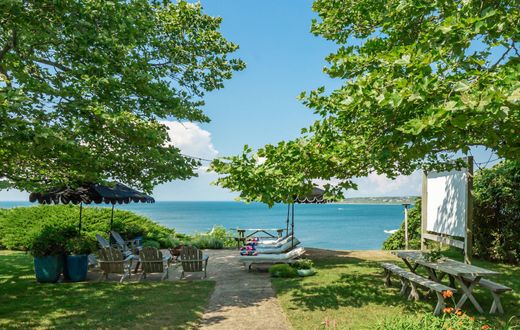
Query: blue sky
{"points": [[259, 105]]}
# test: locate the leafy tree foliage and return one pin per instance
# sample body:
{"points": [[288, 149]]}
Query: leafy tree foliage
{"points": [[422, 80], [84, 84]]}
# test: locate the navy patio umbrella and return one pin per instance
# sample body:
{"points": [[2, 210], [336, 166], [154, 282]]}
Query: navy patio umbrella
{"points": [[116, 193]]}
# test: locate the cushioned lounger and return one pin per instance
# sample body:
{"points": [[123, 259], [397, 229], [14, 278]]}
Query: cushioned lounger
{"points": [[281, 258], [279, 242], [286, 246], [270, 241]]}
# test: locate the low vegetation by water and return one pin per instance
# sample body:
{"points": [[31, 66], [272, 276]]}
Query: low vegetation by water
{"points": [[348, 293], [152, 304], [19, 225]]}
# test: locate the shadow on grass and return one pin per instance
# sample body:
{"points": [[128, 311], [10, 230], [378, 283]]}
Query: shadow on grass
{"points": [[27, 304], [344, 279], [354, 279]]}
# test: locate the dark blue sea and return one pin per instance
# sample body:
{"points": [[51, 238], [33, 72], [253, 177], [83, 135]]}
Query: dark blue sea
{"points": [[331, 226]]}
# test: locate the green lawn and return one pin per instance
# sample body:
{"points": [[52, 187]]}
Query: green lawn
{"points": [[27, 304], [348, 293]]}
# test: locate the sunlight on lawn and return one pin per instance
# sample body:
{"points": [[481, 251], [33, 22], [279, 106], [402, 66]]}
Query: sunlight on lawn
{"points": [[26, 303], [348, 292]]}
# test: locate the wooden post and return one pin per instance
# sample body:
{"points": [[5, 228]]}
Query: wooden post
{"points": [[468, 240], [292, 226], [406, 225], [424, 205]]}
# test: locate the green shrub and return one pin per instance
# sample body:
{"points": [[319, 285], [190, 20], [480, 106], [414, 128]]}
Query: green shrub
{"points": [[49, 239], [223, 234], [80, 245], [17, 223], [283, 270], [207, 242], [496, 216], [303, 264], [396, 240], [151, 243]]}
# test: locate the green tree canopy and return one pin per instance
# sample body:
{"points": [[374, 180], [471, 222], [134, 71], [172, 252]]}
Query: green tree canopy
{"points": [[422, 80], [84, 85]]}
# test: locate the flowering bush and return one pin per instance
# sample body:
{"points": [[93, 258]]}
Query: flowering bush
{"points": [[454, 321]]}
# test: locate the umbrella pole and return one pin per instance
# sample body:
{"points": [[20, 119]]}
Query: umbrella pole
{"points": [[287, 223], [292, 227], [80, 216], [112, 217]]}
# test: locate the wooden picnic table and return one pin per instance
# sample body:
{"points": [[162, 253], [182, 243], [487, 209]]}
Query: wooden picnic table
{"points": [[467, 276], [242, 232]]}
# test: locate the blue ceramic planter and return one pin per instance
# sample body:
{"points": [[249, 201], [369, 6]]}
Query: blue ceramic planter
{"points": [[48, 269], [76, 268]]}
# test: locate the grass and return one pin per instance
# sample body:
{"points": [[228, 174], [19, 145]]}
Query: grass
{"points": [[348, 293], [27, 304]]}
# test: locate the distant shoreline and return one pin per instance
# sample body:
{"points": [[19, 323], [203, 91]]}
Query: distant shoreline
{"points": [[390, 200], [367, 203]]}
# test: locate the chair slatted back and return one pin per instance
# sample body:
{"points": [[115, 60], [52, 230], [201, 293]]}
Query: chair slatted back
{"points": [[111, 261], [119, 240], [191, 259], [102, 241], [152, 260]]}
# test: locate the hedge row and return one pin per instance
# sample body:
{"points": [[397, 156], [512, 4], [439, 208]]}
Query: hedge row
{"points": [[17, 224]]}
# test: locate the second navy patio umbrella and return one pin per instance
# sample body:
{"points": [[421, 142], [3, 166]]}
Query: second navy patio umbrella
{"points": [[315, 197]]}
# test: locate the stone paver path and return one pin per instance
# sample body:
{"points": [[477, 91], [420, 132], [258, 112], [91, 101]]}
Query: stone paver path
{"points": [[241, 300]]}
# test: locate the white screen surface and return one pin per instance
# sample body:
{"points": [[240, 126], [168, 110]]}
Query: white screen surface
{"points": [[447, 202]]}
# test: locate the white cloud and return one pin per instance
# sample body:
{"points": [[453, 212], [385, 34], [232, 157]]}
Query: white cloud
{"points": [[380, 185], [191, 139]]}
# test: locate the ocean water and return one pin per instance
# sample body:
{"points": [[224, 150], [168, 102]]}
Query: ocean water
{"points": [[331, 226]]}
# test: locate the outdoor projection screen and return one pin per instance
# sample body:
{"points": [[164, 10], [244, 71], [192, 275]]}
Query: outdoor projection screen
{"points": [[447, 202]]}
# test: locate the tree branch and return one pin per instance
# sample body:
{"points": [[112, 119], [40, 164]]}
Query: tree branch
{"points": [[9, 45], [503, 56], [52, 63]]}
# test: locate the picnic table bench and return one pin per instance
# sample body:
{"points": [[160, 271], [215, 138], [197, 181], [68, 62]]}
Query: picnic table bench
{"points": [[465, 275], [410, 279]]}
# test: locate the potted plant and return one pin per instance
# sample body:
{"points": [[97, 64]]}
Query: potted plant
{"points": [[304, 267], [47, 245], [76, 265]]}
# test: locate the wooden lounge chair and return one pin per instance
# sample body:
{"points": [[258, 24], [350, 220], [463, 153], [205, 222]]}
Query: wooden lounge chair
{"points": [[105, 244], [193, 261], [111, 261], [286, 246], [281, 258], [153, 261], [129, 245]]}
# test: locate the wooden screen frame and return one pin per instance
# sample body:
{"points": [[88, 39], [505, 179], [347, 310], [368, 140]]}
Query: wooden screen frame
{"points": [[467, 243]]}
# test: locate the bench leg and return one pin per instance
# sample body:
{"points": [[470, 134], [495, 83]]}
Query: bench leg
{"points": [[497, 305], [413, 292], [440, 304], [468, 293], [388, 281], [404, 287]]}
